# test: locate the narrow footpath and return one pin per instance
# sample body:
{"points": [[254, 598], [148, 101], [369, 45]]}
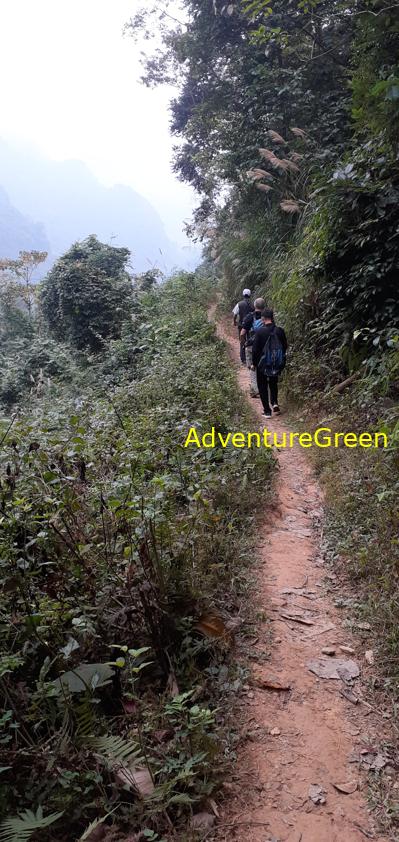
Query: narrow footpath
{"points": [[300, 773]]}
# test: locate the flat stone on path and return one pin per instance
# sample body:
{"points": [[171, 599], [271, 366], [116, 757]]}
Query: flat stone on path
{"points": [[338, 668]]}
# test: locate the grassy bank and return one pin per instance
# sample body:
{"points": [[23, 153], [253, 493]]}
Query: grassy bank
{"points": [[361, 549], [361, 490]]}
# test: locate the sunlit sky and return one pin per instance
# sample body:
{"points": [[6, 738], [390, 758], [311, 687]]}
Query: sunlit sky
{"points": [[70, 86]]}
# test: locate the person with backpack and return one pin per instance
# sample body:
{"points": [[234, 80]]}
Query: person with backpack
{"points": [[242, 309], [250, 325], [269, 350]]}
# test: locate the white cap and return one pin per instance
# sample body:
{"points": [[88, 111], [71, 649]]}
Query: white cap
{"points": [[246, 292]]}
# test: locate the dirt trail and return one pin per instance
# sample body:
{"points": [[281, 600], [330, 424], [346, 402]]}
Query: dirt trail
{"points": [[309, 734]]}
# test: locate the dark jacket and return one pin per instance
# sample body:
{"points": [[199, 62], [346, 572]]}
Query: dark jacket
{"points": [[244, 308], [260, 339], [247, 326]]}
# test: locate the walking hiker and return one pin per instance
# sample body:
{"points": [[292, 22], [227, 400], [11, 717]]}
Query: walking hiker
{"points": [[242, 309], [268, 358], [250, 325]]}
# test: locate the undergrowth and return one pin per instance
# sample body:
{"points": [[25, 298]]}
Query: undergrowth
{"points": [[361, 488], [124, 563], [361, 548]]}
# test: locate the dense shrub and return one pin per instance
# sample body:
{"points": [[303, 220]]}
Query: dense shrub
{"points": [[87, 294], [31, 366], [115, 542]]}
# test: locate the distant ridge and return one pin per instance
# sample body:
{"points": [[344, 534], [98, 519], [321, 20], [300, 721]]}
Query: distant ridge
{"points": [[17, 231], [68, 203]]}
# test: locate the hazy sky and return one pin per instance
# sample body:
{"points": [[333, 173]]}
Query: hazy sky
{"points": [[70, 86]]}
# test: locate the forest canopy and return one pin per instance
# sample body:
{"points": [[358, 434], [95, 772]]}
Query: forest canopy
{"points": [[287, 116]]}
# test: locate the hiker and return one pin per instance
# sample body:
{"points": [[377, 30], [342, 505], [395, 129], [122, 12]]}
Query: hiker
{"points": [[268, 358], [252, 323], [242, 309]]}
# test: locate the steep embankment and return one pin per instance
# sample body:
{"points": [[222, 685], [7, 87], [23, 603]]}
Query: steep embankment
{"points": [[306, 743]]}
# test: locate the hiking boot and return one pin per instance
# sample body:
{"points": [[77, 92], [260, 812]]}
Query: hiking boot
{"points": [[267, 414], [276, 409]]}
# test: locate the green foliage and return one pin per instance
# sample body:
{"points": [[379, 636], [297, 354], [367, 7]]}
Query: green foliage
{"points": [[116, 750], [336, 289], [14, 322], [83, 677], [358, 219], [288, 116], [114, 539], [92, 826], [16, 276], [22, 827], [325, 263], [362, 529], [289, 72], [32, 365], [87, 294], [375, 81]]}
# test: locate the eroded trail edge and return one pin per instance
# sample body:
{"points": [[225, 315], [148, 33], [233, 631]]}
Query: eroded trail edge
{"points": [[299, 772]]}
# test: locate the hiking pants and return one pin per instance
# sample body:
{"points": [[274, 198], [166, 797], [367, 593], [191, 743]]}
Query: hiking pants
{"points": [[264, 385], [242, 346], [253, 385]]}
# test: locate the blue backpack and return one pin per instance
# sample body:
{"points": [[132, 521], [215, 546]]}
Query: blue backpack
{"points": [[273, 359], [256, 324]]}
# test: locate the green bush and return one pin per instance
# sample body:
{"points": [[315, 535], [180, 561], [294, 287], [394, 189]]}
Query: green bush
{"points": [[33, 365], [115, 541], [87, 294]]}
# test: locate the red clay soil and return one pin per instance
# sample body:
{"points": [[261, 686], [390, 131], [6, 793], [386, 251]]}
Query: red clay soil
{"points": [[309, 734]]}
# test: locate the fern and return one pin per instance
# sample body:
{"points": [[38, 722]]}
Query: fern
{"points": [[85, 719], [87, 833], [115, 749], [20, 828]]}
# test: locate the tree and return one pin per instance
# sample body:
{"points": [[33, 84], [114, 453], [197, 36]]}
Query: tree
{"points": [[87, 294], [145, 281], [17, 276], [244, 68], [288, 115]]}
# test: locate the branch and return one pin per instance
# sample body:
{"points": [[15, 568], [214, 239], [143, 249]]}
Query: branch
{"points": [[7, 430], [361, 12], [340, 387], [319, 55], [176, 20], [316, 40]]}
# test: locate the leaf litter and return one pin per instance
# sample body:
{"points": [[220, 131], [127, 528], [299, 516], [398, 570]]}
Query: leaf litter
{"points": [[138, 778]]}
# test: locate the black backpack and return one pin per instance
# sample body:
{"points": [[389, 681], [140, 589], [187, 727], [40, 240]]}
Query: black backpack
{"points": [[273, 359], [244, 308]]}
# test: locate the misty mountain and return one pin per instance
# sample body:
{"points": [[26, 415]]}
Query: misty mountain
{"points": [[18, 232], [58, 203]]}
